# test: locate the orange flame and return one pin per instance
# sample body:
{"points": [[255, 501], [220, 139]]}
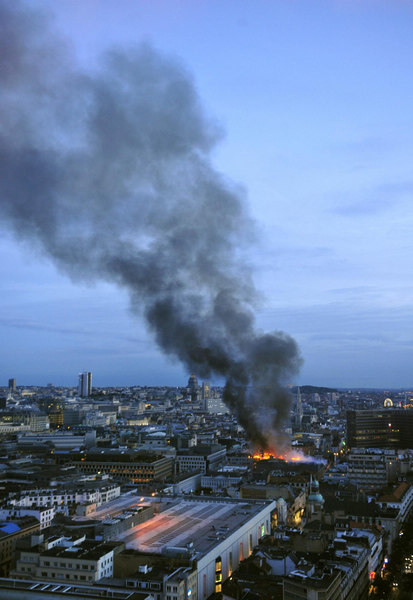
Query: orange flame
{"points": [[288, 456]]}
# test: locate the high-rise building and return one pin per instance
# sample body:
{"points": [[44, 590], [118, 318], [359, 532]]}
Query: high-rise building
{"points": [[380, 428], [12, 385], [85, 384]]}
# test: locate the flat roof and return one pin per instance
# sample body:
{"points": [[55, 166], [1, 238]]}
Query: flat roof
{"points": [[43, 589], [116, 507], [202, 522]]}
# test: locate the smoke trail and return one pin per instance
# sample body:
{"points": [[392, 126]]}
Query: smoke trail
{"points": [[109, 174]]}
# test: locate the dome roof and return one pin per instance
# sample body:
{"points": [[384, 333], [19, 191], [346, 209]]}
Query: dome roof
{"points": [[315, 497]]}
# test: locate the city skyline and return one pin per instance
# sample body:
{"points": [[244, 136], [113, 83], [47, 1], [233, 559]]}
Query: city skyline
{"points": [[314, 101]]}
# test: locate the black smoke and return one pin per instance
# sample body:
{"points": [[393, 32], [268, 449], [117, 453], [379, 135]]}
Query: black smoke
{"points": [[109, 173]]}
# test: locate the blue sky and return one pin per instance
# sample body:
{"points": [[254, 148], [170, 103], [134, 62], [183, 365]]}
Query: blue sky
{"points": [[315, 99]]}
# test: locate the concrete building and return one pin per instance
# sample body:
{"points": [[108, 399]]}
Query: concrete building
{"points": [[215, 405], [220, 481], [39, 422], [302, 585], [200, 458], [370, 539], [60, 498], [58, 439], [87, 561], [372, 468], [340, 573], [216, 533], [85, 384], [384, 428], [43, 515], [163, 583], [137, 467], [10, 532], [185, 483]]}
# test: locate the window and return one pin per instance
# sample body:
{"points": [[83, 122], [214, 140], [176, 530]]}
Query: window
{"points": [[218, 574]]}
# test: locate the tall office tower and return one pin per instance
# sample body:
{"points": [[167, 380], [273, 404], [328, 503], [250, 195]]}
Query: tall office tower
{"points": [[85, 384], [380, 428], [298, 410], [12, 385]]}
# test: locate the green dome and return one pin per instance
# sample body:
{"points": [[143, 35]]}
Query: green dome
{"points": [[315, 497]]}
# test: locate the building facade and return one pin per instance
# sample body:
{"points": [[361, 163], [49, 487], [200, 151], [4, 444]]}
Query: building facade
{"points": [[382, 428], [85, 384], [137, 467]]}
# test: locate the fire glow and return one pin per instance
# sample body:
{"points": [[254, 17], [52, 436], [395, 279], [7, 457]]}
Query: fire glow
{"points": [[287, 456]]}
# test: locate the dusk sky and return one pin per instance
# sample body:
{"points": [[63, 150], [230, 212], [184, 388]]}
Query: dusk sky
{"points": [[315, 103]]}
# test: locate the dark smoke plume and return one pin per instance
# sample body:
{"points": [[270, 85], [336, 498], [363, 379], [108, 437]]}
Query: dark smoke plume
{"points": [[109, 174]]}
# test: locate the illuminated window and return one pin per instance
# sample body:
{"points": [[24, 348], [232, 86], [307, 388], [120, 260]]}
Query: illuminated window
{"points": [[218, 574]]}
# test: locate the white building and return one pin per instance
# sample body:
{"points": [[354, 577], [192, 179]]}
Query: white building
{"points": [[220, 482], [219, 533], [44, 515], [200, 458], [86, 562], [60, 498]]}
